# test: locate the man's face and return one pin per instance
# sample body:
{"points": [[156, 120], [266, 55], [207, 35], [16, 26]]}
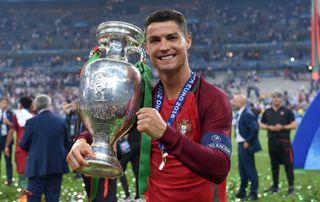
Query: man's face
{"points": [[167, 46], [236, 103], [276, 101], [3, 104]]}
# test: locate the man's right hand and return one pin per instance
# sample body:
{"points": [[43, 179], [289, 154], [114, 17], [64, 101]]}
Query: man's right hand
{"points": [[77, 154], [7, 151]]}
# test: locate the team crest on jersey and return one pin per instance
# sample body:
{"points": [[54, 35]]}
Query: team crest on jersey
{"points": [[184, 126]]}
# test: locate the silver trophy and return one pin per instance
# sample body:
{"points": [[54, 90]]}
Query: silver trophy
{"points": [[110, 91]]}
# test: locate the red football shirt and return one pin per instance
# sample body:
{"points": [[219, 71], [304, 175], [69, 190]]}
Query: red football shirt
{"points": [[192, 167]]}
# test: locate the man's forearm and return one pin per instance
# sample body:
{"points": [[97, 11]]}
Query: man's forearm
{"points": [[290, 126], [9, 138], [264, 126]]}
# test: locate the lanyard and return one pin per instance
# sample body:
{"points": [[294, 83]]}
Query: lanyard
{"points": [[175, 110]]}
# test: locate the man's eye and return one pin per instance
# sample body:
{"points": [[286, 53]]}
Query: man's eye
{"points": [[154, 41], [172, 38]]}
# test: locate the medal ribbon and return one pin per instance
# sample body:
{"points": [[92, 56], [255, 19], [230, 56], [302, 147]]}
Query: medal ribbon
{"points": [[175, 110]]}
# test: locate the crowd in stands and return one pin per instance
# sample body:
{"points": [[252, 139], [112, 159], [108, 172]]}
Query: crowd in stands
{"points": [[217, 27], [43, 47], [31, 82], [63, 86]]}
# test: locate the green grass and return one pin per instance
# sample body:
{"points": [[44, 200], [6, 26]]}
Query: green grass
{"points": [[307, 183]]}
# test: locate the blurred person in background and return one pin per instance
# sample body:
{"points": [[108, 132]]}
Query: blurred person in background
{"points": [[129, 151], [5, 124], [19, 120], [278, 120], [246, 133], [70, 110], [45, 139]]}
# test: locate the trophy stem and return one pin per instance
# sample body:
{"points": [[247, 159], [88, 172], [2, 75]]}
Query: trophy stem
{"points": [[105, 164]]}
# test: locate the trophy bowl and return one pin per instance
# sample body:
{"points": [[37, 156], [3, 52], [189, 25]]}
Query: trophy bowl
{"points": [[110, 91]]}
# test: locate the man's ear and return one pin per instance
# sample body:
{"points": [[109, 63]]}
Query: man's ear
{"points": [[188, 41]]}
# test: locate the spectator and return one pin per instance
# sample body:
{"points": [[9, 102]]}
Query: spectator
{"points": [[45, 140], [18, 123], [5, 123], [278, 121], [246, 132]]}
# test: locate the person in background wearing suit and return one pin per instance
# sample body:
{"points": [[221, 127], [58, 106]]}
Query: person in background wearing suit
{"points": [[246, 132], [45, 139], [5, 123]]}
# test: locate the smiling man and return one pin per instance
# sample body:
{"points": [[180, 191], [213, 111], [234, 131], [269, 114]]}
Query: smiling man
{"points": [[189, 123]]}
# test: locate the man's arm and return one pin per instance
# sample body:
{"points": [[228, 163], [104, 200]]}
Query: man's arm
{"points": [[290, 126], [204, 158], [253, 127], [27, 136], [8, 142], [10, 135], [210, 157], [263, 123], [80, 149]]}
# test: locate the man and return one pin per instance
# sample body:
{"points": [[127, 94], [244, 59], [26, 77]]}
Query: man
{"points": [[189, 125], [45, 139], [279, 120], [18, 122], [5, 123], [246, 132], [70, 110]]}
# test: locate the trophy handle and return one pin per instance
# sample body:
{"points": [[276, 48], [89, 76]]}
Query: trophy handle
{"points": [[134, 49]]}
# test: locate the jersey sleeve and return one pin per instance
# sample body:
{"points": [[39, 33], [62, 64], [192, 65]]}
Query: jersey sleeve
{"points": [[14, 123], [210, 157], [85, 135]]}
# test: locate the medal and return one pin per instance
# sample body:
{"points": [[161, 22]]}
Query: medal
{"points": [[175, 110]]}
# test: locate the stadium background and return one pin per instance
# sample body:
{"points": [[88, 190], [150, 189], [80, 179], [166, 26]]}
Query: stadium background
{"points": [[248, 46]]}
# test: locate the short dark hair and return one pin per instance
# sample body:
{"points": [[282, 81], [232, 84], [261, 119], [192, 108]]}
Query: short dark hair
{"points": [[25, 102], [165, 15]]}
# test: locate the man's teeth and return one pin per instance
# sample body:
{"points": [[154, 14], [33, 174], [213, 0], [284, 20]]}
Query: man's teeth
{"points": [[166, 57]]}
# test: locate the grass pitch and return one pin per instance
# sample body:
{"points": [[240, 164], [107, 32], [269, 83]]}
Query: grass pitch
{"points": [[307, 183]]}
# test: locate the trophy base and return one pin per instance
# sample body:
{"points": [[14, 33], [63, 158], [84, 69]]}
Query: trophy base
{"points": [[109, 167]]}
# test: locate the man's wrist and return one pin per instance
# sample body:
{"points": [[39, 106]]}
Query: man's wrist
{"points": [[81, 139]]}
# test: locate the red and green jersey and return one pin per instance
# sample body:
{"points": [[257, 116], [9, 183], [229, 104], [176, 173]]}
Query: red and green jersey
{"points": [[199, 148], [18, 122]]}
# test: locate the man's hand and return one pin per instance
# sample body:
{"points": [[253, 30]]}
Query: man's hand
{"points": [[151, 122], [278, 127], [7, 151], [7, 122], [246, 145], [271, 128], [77, 154]]}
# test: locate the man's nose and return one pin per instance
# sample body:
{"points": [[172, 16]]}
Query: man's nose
{"points": [[164, 45]]}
